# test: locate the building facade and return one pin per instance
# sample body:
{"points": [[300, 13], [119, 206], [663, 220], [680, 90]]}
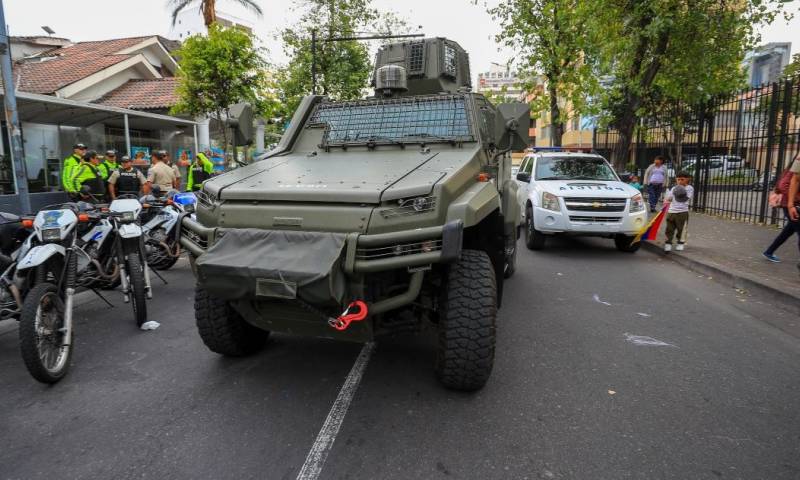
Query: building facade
{"points": [[765, 64], [500, 81]]}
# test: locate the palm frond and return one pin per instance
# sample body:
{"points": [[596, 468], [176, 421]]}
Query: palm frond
{"points": [[176, 6], [251, 5]]}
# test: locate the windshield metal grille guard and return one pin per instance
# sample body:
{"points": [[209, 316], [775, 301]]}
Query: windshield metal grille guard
{"points": [[429, 119]]}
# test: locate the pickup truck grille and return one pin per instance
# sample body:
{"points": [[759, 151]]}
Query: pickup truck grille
{"points": [[595, 204], [577, 218]]}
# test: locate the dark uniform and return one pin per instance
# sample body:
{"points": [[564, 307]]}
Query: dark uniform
{"points": [[128, 182]]}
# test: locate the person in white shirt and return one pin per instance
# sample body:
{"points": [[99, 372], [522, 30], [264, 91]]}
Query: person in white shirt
{"points": [[655, 179], [679, 198]]}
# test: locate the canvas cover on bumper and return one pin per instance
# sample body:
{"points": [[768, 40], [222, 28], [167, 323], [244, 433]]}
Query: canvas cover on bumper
{"points": [[254, 263]]}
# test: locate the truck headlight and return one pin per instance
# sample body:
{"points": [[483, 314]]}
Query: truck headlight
{"points": [[550, 202], [637, 203]]}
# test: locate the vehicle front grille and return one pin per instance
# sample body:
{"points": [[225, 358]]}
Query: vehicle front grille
{"points": [[399, 249], [595, 204], [578, 218]]}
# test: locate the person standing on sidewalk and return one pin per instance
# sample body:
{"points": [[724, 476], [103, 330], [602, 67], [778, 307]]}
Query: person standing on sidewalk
{"points": [[678, 213], [787, 186], [655, 178]]}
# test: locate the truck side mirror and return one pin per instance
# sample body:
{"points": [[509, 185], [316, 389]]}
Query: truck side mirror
{"points": [[524, 177]]}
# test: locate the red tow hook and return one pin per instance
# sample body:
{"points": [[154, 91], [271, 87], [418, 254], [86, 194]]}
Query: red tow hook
{"points": [[343, 321]]}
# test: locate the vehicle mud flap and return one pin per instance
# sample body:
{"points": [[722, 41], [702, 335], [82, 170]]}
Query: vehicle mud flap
{"points": [[257, 264]]}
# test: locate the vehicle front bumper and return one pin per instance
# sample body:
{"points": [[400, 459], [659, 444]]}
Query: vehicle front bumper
{"points": [[364, 253], [589, 223]]}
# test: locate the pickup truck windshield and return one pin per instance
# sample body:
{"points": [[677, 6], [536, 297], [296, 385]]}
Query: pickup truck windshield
{"points": [[573, 168], [440, 118]]}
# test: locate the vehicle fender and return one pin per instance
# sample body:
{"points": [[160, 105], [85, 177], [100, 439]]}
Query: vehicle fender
{"points": [[130, 230], [39, 254], [472, 206], [511, 209]]}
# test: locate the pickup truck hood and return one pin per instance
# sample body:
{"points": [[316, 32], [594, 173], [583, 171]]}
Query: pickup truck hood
{"points": [[586, 188], [364, 177]]}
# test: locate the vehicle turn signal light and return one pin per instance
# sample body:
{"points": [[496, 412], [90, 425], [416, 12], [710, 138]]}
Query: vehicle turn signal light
{"points": [[484, 177], [83, 217], [27, 223]]}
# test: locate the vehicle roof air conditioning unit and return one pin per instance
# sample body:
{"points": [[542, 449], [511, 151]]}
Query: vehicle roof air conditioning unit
{"points": [[390, 79]]}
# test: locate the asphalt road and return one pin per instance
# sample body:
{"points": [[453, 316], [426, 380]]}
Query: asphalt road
{"points": [[575, 393]]}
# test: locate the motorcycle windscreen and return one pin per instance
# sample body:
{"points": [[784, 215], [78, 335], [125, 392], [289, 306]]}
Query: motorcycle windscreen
{"points": [[254, 263]]}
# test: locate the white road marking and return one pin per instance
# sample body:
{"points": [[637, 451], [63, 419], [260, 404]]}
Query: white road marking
{"points": [[646, 341], [596, 298], [327, 435], [642, 314]]}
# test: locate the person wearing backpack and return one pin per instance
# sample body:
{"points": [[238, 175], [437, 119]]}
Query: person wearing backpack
{"points": [[780, 197]]}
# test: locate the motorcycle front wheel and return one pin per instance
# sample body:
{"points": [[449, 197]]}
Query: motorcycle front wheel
{"points": [[41, 334], [137, 286]]}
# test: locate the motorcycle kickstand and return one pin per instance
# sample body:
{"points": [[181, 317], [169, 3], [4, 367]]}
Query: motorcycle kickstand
{"points": [[154, 271], [111, 305]]}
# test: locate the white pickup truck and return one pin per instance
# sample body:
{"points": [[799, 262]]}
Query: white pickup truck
{"points": [[577, 194]]}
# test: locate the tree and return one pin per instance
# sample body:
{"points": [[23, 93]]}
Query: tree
{"points": [[793, 68], [548, 36], [658, 51], [208, 8], [343, 67], [216, 72]]}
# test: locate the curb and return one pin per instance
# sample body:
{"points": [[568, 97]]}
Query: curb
{"points": [[785, 300]]}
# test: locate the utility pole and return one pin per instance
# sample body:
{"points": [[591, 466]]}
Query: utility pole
{"points": [[344, 39], [12, 117]]}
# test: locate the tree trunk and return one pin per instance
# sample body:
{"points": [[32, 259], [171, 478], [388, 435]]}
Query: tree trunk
{"points": [[209, 12], [555, 115], [224, 127]]}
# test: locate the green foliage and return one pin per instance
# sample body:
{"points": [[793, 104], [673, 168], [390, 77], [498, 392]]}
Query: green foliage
{"points": [[549, 38], [343, 67], [217, 71], [793, 69]]}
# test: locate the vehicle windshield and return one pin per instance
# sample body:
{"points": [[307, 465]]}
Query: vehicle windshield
{"points": [[400, 120], [573, 168]]}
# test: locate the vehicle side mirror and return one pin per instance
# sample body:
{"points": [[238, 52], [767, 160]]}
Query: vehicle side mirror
{"points": [[524, 177]]}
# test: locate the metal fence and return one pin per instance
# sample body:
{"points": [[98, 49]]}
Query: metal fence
{"points": [[735, 147]]}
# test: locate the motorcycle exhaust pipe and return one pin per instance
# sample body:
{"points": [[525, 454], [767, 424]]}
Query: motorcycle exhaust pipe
{"points": [[169, 250], [123, 277]]}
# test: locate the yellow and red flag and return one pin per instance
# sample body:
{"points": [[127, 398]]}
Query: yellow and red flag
{"points": [[650, 230]]}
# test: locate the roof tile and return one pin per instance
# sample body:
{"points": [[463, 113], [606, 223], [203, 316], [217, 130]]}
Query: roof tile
{"points": [[143, 94]]}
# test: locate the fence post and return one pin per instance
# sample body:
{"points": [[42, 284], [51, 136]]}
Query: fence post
{"points": [[699, 204], [771, 121], [707, 152]]}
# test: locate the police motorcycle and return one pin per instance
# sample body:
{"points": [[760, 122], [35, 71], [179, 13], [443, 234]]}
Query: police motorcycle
{"points": [[14, 244], [48, 272], [115, 256], [161, 225]]}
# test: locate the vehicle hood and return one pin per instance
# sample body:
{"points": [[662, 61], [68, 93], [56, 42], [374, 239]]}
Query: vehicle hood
{"points": [[366, 177], [587, 188]]}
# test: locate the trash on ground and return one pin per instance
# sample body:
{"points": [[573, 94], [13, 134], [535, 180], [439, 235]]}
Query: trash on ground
{"points": [[151, 325]]}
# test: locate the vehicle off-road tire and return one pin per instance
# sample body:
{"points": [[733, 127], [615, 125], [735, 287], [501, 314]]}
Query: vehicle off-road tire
{"points": [[534, 239], [137, 293], [465, 353], [40, 339], [222, 329], [623, 243]]}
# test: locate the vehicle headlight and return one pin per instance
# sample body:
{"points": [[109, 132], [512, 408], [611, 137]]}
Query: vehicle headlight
{"points": [[550, 202], [637, 203], [51, 234], [128, 217]]}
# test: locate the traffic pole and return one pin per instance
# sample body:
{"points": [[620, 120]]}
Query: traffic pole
{"points": [[12, 117]]}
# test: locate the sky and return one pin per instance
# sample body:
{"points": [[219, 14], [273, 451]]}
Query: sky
{"points": [[458, 20]]}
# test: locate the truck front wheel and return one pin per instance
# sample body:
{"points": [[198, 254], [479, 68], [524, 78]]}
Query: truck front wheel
{"points": [[624, 243], [222, 329], [465, 353]]}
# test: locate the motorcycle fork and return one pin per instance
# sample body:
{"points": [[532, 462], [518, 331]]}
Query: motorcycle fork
{"points": [[123, 268], [148, 290], [69, 293]]}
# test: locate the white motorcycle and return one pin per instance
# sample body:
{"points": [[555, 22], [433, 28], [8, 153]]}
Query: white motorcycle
{"points": [[161, 233], [49, 269]]}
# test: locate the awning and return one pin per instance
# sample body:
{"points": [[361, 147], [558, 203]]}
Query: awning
{"points": [[47, 109]]}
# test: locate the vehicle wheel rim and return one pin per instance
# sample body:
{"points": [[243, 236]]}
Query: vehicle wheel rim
{"points": [[529, 224], [49, 336]]}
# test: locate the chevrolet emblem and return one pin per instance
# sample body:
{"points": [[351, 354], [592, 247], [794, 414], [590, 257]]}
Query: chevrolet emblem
{"points": [[596, 204]]}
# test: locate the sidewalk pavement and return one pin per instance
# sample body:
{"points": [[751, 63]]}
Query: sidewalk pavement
{"points": [[730, 252]]}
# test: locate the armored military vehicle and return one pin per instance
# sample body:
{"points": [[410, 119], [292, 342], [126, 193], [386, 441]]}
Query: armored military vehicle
{"points": [[391, 214]]}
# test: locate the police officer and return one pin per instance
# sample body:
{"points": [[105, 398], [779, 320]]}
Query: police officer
{"points": [[160, 173], [109, 164], [199, 172], [125, 181], [70, 163], [87, 173]]}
